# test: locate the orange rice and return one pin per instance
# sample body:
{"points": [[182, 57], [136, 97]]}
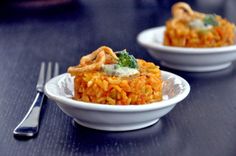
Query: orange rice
{"points": [[98, 87], [181, 35]]}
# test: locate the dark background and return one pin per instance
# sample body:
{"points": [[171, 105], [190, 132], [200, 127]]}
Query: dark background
{"points": [[203, 124]]}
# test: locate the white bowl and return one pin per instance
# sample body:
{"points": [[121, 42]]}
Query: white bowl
{"points": [[186, 59], [118, 117]]}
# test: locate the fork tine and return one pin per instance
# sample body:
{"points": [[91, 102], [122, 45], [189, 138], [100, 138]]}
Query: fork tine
{"points": [[40, 82], [49, 71], [56, 69]]}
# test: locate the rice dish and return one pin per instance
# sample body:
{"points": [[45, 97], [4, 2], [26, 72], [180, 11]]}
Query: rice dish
{"points": [[111, 81], [189, 28]]}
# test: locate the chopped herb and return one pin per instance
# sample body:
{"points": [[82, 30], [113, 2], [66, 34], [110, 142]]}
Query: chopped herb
{"points": [[210, 20], [116, 66], [126, 60]]}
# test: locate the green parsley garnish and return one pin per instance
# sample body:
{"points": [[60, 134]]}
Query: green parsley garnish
{"points": [[126, 60], [210, 20]]}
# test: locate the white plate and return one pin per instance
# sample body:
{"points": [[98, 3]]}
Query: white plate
{"points": [[118, 117], [186, 59]]}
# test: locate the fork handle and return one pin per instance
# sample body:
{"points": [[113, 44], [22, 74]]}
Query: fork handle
{"points": [[30, 124]]}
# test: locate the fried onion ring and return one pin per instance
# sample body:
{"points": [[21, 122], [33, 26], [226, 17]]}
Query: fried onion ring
{"points": [[95, 60]]}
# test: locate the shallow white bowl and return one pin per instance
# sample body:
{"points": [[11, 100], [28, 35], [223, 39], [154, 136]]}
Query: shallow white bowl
{"points": [[186, 59], [118, 117]]}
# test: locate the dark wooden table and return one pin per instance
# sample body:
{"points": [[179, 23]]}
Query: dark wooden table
{"points": [[203, 124]]}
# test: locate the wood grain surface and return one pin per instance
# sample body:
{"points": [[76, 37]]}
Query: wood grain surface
{"points": [[203, 124]]}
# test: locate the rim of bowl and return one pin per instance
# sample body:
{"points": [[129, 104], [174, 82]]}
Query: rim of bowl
{"points": [[118, 108], [151, 44]]}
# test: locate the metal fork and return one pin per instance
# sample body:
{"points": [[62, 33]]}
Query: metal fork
{"points": [[29, 125]]}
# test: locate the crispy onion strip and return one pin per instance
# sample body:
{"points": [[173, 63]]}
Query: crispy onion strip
{"points": [[182, 11], [95, 60], [90, 57]]}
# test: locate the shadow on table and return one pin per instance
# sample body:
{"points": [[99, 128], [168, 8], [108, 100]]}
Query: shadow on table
{"points": [[148, 140]]}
